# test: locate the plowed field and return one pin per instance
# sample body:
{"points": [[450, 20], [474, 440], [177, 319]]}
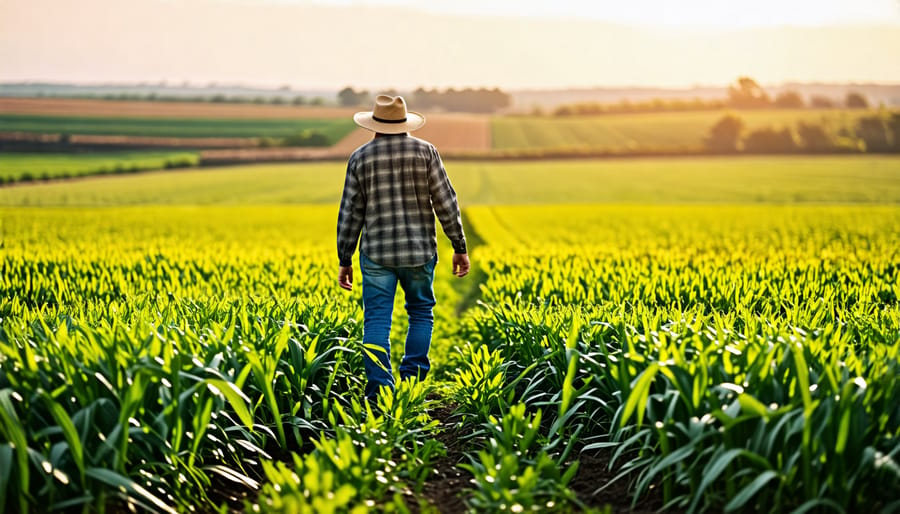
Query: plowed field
{"points": [[142, 109]]}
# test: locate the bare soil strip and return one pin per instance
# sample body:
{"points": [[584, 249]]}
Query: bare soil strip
{"points": [[450, 133], [147, 109], [88, 140]]}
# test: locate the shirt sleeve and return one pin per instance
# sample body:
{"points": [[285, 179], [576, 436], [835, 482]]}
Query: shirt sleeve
{"points": [[350, 216], [443, 199]]}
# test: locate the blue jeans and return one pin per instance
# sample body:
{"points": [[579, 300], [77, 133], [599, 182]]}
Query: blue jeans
{"points": [[379, 284]]}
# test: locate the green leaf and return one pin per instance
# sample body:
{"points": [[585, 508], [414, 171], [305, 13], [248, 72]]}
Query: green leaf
{"points": [[843, 428], [751, 405], [712, 472], [233, 475], [567, 388], [748, 492], [15, 432], [368, 350], [69, 432], [6, 466], [119, 482], [637, 399], [236, 399], [818, 505]]}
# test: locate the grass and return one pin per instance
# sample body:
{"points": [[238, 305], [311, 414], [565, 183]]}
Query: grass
{"points": [[635, 131], [854, 179], [33, 166], [333, 129]]}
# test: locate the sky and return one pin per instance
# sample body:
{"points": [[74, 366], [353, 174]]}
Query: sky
{"points": [[702, 13], [526, 44]]}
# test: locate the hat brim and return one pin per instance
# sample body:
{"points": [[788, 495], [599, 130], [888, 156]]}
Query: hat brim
{"points": [[414, 121]]}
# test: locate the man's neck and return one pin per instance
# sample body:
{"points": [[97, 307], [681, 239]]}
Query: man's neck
{"points": [[379, 134]]}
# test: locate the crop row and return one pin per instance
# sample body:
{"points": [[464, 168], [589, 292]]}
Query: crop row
{"points": [[720, 358], [193, 363], [721, 361]]}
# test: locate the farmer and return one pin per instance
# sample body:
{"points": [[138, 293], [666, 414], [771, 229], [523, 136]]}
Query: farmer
{"points": [[395, 185]]}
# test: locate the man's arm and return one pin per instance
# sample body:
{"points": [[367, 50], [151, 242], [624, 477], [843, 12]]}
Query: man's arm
{"points": [[446, 207], [349, 226]]}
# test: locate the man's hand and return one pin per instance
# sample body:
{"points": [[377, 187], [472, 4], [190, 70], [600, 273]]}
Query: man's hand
{"points": [[460, 264], [345, 277]]}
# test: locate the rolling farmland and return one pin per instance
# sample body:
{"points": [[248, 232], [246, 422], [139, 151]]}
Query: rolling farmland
{"points": [[851, 179], [141, 109], [453, 134], [701, 334], [672, 131], [34, 166], [173, 127]]}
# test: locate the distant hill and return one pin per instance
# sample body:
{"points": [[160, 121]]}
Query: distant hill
{"points": [[525, 100]]}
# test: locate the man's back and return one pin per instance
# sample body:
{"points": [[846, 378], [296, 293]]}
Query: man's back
{"points": [[394, 186]]}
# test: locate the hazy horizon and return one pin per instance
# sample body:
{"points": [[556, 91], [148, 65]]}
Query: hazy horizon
{"points": [[388, 43]]}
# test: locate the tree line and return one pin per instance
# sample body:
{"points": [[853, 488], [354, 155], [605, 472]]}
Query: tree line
{"points": [[482, 100], [745, 93], [214, 99], [878, 133]]}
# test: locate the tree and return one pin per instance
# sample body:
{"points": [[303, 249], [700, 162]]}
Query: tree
{"points": [[813, 137], [856, 101], [350, 98], [894, 127], [725, 135], [465, 100], [874, 132], [770, 140], [789, 100], [821, 102], [747, 94]]}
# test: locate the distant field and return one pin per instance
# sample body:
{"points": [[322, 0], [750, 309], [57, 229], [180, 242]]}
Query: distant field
{"points": [[635, 131], [141, 109], [334, 129], [851, 179], [34, 166]]}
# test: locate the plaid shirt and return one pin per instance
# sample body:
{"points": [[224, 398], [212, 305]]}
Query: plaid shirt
{"points": [[394, 186]]}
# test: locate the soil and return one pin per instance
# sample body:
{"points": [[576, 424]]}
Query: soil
{"points": [[457, 133], [594, 473], [142, 109], [444, 491]]}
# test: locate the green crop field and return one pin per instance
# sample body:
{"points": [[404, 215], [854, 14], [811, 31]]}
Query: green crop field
{"points": [[872, 179], [33, 166], [702, 335], [676, 130], [333, 129]]}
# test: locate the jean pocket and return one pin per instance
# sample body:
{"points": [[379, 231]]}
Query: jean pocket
{"points": [[425, 271]]}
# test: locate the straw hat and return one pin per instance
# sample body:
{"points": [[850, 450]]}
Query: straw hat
{"points": [[389, 116]]}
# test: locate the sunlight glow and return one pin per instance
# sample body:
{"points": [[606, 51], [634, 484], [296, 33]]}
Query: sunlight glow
{"points": [[706, 13]]}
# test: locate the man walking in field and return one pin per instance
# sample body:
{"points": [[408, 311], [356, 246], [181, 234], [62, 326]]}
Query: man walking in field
{"points": [[395, 185]]}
